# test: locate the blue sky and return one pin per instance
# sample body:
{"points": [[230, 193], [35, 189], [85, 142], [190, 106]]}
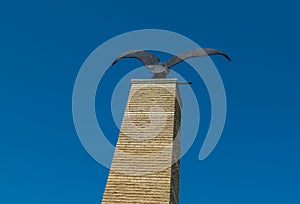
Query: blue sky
{"points": [[43, 45]]}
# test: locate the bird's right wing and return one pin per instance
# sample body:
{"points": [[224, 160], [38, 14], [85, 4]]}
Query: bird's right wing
{"points": [[195, 53], [145, 57]]}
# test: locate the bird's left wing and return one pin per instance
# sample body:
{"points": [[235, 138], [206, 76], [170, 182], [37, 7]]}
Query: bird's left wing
{"points": [[145, 57], [195, 53]]}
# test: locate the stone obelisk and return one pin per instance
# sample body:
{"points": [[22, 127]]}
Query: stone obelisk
{"points": [[145, 167]]}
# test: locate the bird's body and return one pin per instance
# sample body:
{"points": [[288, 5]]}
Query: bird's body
{"points": [[161, 70]]}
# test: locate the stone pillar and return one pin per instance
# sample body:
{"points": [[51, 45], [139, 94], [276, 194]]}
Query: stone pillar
{"points": [[145, 167]]}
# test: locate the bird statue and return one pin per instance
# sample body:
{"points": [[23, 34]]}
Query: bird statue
{"points": [[162, 69]]}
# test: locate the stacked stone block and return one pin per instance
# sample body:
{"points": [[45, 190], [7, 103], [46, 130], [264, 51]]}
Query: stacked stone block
{"points": [[145, 167]]}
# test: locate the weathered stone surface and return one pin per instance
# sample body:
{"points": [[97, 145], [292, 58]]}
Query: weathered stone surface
{"points": [[145, 168]]}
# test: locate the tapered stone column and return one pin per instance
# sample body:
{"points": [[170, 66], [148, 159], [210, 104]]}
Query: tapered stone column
{"points": [[145, 167]]}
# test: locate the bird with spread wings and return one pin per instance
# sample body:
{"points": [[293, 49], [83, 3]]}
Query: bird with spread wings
{"points": [[160, 69]]}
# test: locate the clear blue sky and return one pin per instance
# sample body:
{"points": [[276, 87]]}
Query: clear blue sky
{"points": [[44, 43]]}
